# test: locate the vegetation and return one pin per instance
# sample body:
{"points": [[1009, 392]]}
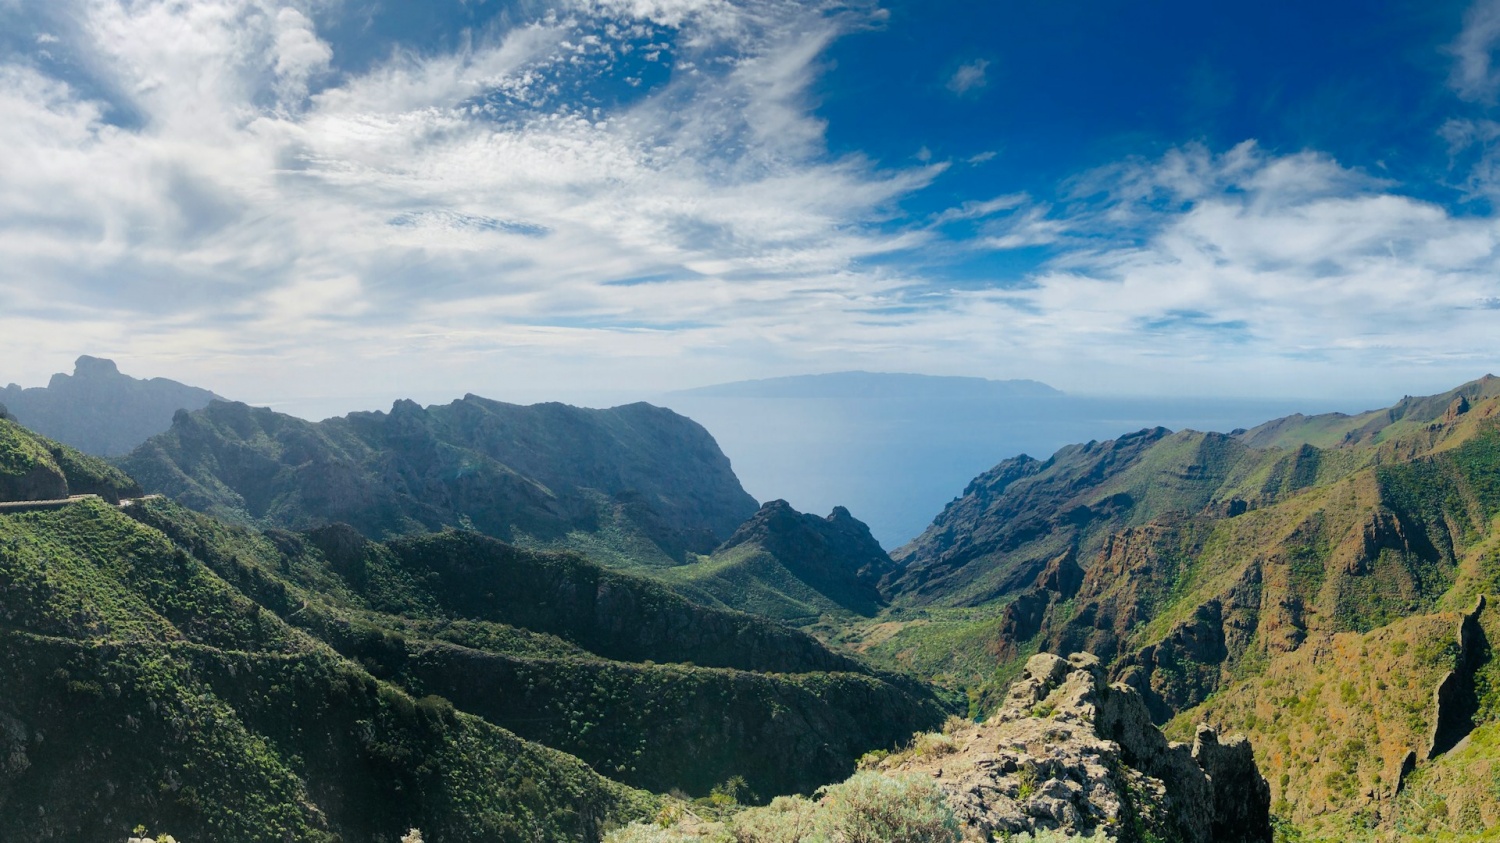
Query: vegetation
{"points": [[33, 467], [630, 483], [1303, 582], [867, 808]]}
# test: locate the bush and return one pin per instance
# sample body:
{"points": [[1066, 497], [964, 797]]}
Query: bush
{"points": [[868, 808], [643, 833], [788, 819]]}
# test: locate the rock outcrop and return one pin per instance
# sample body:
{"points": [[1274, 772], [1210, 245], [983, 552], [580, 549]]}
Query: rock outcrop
{"points": [[835, 556], [1069, 752]]}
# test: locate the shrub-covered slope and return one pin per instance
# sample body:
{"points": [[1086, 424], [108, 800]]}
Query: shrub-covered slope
{"points": [[646, 686], [100, 411], [34, 468], [637, 482], [143, 689]]}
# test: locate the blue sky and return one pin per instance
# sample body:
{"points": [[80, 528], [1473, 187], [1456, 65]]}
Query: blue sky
{"points": [[327, 204]]}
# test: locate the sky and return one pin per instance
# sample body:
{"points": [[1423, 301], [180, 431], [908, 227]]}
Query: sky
{"points": [[324, 205]]}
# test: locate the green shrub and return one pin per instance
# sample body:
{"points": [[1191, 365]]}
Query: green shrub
{"points": [[868, 808], [788, 819], [644, 833]]}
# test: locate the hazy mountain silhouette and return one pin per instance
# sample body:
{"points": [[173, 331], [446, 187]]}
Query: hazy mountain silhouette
{"points": [[100, 411]]}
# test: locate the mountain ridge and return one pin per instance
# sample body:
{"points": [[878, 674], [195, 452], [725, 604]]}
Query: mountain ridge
{"points": [[100, 411], [1214, 567], [541, 474]]}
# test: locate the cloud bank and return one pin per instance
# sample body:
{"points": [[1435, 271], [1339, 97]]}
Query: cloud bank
{"points": [[641, 191]]}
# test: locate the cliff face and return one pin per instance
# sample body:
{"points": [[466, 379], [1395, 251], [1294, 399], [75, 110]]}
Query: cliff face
{"points": [[791, 566], [100, 411], [643, 478]]}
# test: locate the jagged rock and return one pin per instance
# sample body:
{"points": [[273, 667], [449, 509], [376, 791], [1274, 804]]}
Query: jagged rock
{"points": [[1459, 406], [836, 556], [1068, 752]]}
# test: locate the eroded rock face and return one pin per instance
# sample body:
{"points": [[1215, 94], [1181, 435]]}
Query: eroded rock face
{"points": [[1069, 752]]}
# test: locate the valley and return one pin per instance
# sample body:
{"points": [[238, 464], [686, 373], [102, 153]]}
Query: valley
{"points": [[591, 596]]}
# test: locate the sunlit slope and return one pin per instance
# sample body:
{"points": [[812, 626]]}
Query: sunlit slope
{"points": [[645, 685], [1311, 595], [141, 688]]}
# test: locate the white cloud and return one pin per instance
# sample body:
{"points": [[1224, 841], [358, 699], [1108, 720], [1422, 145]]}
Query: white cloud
{"points": [[1474, 76], [434, 203], [236, 210], [1298, 262], [970, 76], [979, 209], [300, 55]]}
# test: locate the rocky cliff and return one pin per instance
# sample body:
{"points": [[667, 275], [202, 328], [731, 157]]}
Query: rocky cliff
{"points": [[1068, 752], [791, 566]]}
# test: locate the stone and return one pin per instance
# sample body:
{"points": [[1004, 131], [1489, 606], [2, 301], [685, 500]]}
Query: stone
{"points": [[1068, 752]]}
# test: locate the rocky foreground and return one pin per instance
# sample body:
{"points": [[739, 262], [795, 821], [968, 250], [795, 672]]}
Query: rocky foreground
{"points": [[1067, 756], [1069, 752]]}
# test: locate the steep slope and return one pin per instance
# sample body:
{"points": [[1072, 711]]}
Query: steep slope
{"points": [[34, 468], [1332, 429], [1067, 757], [1314, 597], [791, 566], [142, 689], [1009, 522], [634, 484], [644, 685], [100, 411]]}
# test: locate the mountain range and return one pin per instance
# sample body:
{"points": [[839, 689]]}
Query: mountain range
{"points": [[635, 481], [1320, 582], [895, 448], [100, 411], [593, 597], [170, 669]]}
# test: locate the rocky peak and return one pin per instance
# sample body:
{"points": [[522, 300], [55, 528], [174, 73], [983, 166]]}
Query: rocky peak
{"points": [[839, 544], [95, 367], [1069, 752], [835, 555]]}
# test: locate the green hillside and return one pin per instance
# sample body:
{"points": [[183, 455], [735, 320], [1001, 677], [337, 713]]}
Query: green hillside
{"points": [[144, 689], [634, 484], [790, 566], [34, 468], [1306, 582], [168, 669]]}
